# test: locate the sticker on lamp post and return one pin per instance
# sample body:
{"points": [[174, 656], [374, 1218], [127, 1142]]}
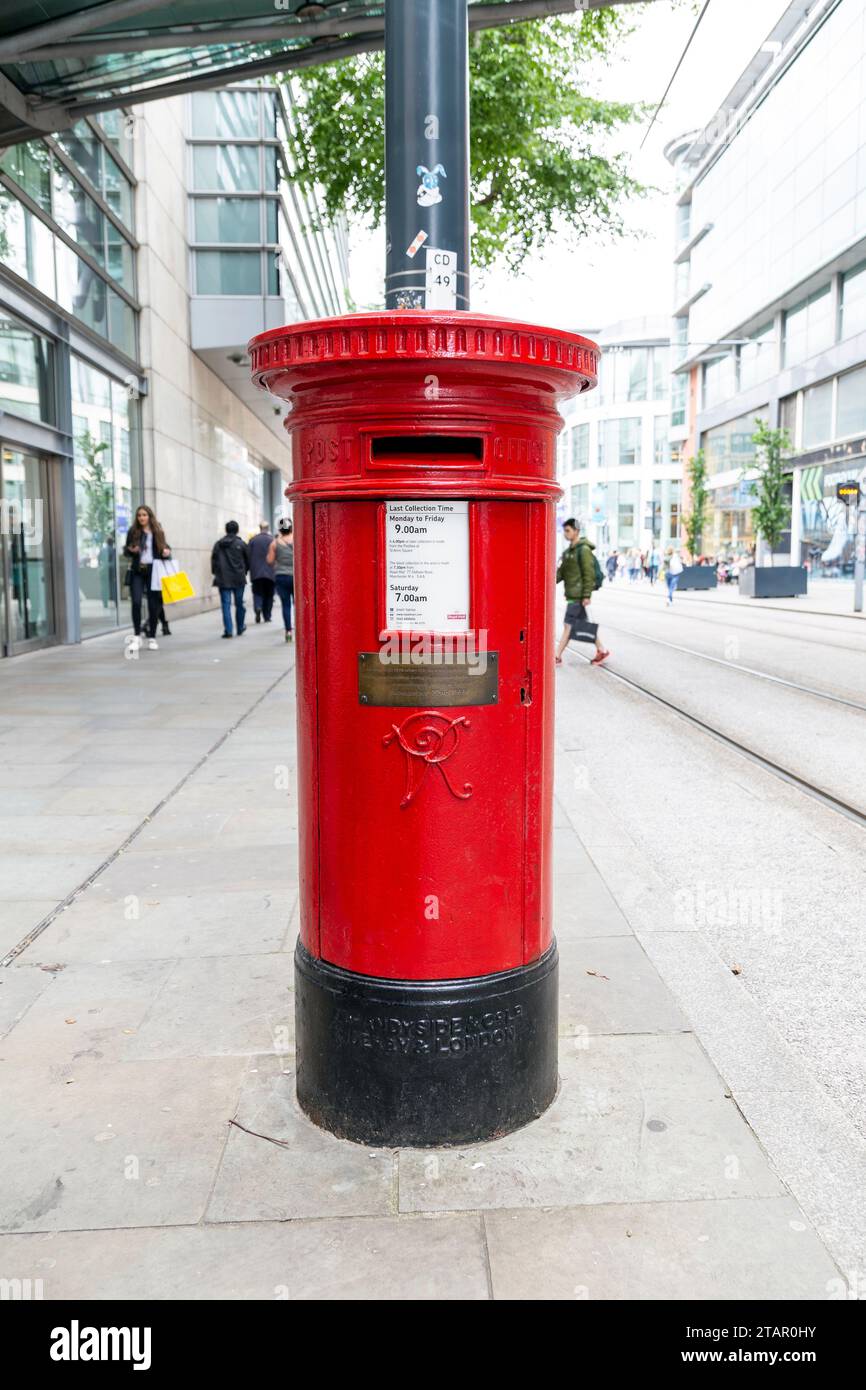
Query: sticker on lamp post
{"points": [[440, 287], [427, 566]]}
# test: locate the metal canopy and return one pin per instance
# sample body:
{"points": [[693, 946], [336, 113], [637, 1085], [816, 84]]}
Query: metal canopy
{"points": [[61, 59]]}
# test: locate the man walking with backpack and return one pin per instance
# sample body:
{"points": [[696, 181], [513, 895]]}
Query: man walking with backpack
{"points": [[581, 574]]}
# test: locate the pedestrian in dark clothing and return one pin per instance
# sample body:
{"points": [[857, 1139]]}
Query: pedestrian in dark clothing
{"points": [[282, 556], [262, 573], [230, 563], [145, 542]]}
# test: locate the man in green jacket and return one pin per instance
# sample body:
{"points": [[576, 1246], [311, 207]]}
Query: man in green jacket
{"points": [[577, 572]]}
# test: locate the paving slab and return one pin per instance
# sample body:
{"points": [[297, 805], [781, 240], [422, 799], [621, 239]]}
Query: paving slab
{"points": [[20, 986], [308, 1174], [87, 1016], [151, 873], [232, 825], [732, 1248], [386, 1258], [584, 907], [608, 985], [18, 917], [121, 1144], [100, 926], [637, 1119], [236, 1005]]}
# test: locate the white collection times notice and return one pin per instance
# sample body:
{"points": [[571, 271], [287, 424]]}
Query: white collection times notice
{"points": [[427, 566]]}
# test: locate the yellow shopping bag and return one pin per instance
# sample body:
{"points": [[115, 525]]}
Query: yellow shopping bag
{"points": [[176, 587]]}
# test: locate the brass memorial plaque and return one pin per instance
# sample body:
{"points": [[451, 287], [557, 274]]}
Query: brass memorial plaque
{"points": [[451, 683]]}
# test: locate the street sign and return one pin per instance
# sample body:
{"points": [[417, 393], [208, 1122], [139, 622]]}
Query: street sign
{"points": [[441, 282], [848, 493]]}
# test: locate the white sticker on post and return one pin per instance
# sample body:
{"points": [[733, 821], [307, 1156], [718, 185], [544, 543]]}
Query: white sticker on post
{"points": [[427, 566], [440, 286]]}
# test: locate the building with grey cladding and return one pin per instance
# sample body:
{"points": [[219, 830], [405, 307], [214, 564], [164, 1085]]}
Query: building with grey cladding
{"points": [[770, 281], [138, 254]]}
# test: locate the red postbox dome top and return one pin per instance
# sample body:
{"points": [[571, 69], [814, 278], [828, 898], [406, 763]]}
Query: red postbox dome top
{"points": [[278, 356]]}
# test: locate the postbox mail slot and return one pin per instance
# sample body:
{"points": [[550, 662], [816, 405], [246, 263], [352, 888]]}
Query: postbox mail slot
{"points": [[453, 683], [427, 451]]}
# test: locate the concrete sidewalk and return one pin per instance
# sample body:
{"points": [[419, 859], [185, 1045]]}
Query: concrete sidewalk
{"points": [[827, 598], [152, 1146]]}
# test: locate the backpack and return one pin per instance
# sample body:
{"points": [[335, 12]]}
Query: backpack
{"points": [[598, 571]]}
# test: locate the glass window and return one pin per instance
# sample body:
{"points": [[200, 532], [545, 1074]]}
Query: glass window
{"points": [[578, 503], [94, 497], [627, 505], [269, 115], [853, 306], [851, 404], [661, 360], [119, 257], [273, 261], [84, 149], [675, 506], [580, 447], [788, 416], [226, 168], [272, 173], [684, 222], [620, 443], [679, 399], [818, 414], [77, 214], [117, 190], [808, 328], [757, 358], [118, 127], [26, 371], [26, 246], [271, 211], [228, 272], [731, 445], [682, 275], [232, 115], [661, 444], [30, 166], [719, 380], [228, 219]]}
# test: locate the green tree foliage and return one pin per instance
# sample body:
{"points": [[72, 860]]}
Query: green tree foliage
{"points": [[772, 514], [696, 520], [536, 138]]}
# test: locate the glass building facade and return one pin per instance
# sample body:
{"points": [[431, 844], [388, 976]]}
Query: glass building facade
{"points": [[70, 381], [776, 239], [620, 472], [111, 395]]}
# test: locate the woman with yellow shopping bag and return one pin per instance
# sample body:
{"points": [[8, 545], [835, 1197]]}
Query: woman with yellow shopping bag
{"points": [[145, 546], [173, 586]]}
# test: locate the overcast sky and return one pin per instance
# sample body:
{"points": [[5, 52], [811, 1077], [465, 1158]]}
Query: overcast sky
{"points": [[594, 284]]}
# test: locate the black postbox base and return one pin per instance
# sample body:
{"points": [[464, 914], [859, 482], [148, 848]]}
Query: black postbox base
{"points": [[421, 1063]]}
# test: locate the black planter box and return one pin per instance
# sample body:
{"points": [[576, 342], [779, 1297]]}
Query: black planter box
{"points": [[766, 581], [698, 577]]}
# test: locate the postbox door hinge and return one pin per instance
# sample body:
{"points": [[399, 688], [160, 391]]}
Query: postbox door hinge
{"points": [[526, 689]]}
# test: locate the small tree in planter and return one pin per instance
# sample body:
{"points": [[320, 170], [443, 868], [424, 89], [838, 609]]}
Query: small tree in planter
{"points": [[699, 494], [772, 514]]}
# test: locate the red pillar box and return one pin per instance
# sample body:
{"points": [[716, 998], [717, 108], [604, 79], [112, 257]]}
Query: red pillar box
{"points": [[424, 494]]}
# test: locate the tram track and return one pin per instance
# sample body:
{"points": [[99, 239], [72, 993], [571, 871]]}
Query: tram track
{"points": [[736, 666], [784, 774]]}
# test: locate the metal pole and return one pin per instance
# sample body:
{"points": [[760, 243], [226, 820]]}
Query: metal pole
{"points": [[427, 154]]}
